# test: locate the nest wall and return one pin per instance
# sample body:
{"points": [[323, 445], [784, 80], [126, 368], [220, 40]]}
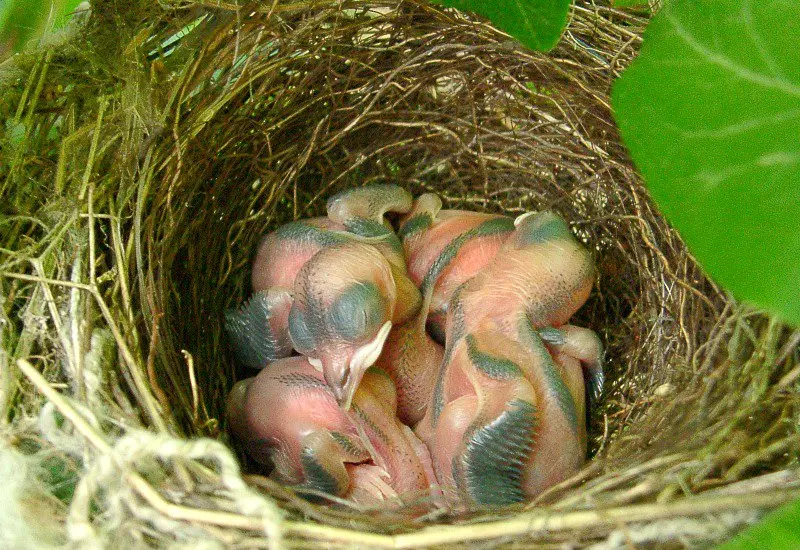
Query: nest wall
{"points": [[146, 155]]}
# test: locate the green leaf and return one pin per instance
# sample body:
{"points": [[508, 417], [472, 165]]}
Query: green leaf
{"points": [[630, 4], [24, 20], [15, 132], [777, 531], [538, 24], [710, 112]]}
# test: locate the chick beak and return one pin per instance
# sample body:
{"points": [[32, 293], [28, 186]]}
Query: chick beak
{"points": [[345, 388]]}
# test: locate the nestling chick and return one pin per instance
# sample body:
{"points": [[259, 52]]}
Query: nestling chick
{"points": [[344, 306], [541, 270], [444, 248], [287, 415], [506, 419], [362, 211], [509, 426], [544, 272], [259, 330]]}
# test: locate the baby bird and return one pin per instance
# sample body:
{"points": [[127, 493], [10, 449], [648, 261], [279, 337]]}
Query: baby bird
{"points": [[445, 248], [282, 253], [345, 301], [502, 405], [361, 211], [287, 415], [259, 330]]}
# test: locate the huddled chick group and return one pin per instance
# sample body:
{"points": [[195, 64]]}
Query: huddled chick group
{"points": [[433, 360]]}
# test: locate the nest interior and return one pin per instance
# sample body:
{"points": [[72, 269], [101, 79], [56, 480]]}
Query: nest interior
{"points": [[146, 153]]}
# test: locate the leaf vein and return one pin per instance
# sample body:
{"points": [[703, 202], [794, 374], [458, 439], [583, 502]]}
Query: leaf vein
{"points": [[729, 64], [779, 158], [758, 42], [526, 19], [737, 128]]}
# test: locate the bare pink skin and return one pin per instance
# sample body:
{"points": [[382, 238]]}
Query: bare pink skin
{"points": [[287, 412], [474, 399], [423, 248], [404, 457], [284, 256], [412, 359], [279, 260], [548, 281]]}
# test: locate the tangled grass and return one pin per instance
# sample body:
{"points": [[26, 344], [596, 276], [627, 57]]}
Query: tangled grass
{"points": [[142, 159]]}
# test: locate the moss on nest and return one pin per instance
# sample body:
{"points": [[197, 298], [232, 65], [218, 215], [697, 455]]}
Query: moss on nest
{"points": [[139, 170]]}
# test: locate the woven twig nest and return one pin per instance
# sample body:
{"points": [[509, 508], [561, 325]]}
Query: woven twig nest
{"points": [[142, 161]]}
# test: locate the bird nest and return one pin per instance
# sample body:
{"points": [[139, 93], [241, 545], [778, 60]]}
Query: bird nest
{"points": [[146, 153]]}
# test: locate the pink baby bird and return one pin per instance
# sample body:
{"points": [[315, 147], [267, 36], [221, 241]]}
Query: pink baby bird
{"points": [[259, 330], [288, 415], [507, 420], [444, 248], [544, 272], [345, 302]]}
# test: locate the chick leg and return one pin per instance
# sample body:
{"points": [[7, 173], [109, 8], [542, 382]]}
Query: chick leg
{"points": [[447, 441], [571, 372], [394, 446], [584, 345], [370, 485]]}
